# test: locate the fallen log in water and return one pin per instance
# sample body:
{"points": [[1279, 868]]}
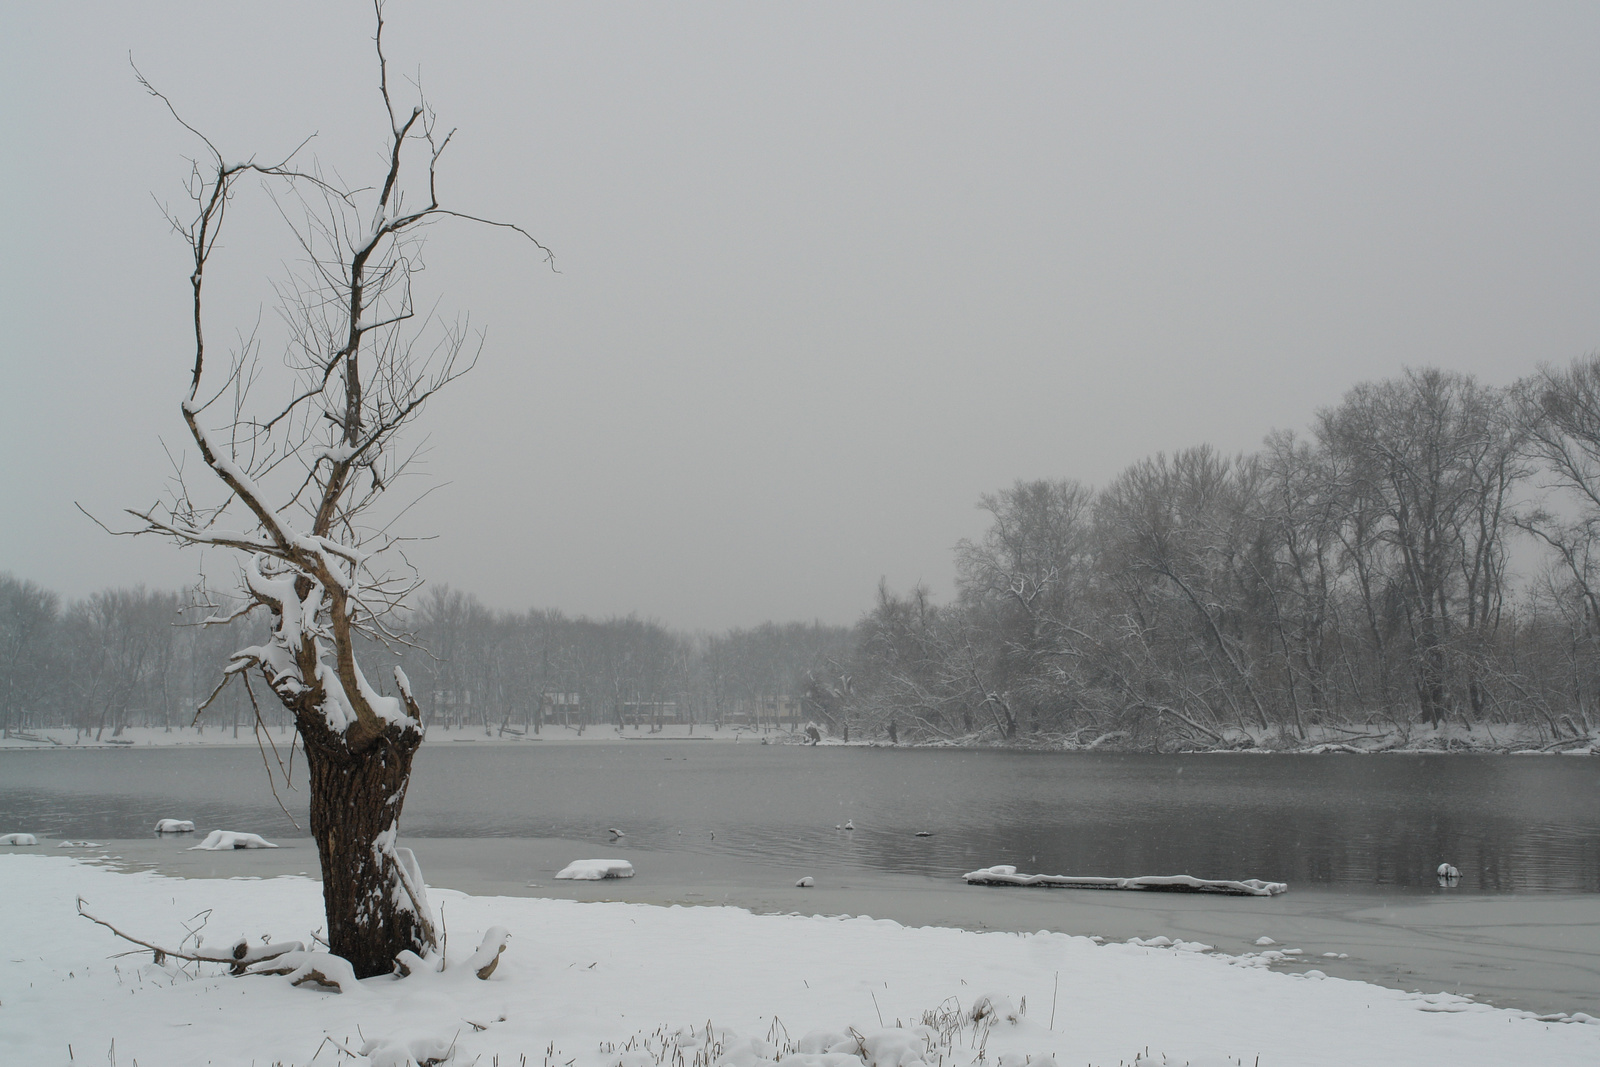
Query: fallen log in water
{"points": [[1169, 883]]}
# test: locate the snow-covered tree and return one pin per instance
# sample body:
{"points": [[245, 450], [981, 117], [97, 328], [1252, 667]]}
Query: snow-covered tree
{"points": [[299, 456]]}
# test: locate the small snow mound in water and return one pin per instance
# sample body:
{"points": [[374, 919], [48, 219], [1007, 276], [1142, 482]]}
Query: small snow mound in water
{"points": [[1265, 940], [1167, 942], [806, 883], [223, 840], [594, 870], [174, 826], [18, 839]]}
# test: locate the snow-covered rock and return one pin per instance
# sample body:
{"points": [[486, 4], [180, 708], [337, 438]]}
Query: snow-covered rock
{"points": [[174, 826], [18, 839], [594, 870], [806, 883], [223, 840]]}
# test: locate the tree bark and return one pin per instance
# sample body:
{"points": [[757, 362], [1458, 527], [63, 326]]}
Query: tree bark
{"points": [[355, 798]]}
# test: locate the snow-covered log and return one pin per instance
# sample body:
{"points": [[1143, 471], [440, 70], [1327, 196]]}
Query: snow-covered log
{"points": [[317, 968], [1169, 883]]}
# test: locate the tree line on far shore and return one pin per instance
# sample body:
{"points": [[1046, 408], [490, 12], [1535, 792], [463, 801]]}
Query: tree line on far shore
{"points": [[135, 657], [1428, 554]]}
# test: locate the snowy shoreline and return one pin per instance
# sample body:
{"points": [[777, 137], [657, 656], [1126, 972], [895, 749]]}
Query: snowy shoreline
{"points": [[581, 982], [1523, 951], [1321, 740]]}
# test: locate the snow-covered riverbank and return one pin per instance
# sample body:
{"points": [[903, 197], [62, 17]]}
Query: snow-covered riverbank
{"points": [[1517, 739], [605, 983], [214, 736]]}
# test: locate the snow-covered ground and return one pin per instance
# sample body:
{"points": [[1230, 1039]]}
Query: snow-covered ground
{"points": [[628, 985]]}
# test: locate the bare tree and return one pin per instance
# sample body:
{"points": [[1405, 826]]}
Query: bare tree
{"points": [[1434, 452], [299, 458], [28, 621]]}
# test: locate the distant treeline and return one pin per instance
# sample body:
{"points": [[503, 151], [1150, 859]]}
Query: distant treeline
{"points": [[131, 657], [1429, 553]]}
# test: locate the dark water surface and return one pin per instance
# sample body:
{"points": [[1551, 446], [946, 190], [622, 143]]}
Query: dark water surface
{"points": [[1511, 824]]}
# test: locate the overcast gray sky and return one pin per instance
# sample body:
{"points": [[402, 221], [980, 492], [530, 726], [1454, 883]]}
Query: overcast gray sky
{"points": [[828, 271]]}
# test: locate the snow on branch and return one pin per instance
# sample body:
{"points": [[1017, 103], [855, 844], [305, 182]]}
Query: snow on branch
{"points": [[240, 958]]}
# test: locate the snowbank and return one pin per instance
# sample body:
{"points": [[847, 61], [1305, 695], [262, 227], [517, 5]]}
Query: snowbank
{"points": [[634, 986], [223, 840], [1170, 883], [625, 985], [594, 870]]}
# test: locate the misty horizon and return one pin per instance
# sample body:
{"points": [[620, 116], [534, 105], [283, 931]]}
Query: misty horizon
{"points": [[826, 277]]}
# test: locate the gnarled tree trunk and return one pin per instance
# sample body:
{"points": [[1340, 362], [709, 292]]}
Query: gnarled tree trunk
{"points": [[356, 798]]}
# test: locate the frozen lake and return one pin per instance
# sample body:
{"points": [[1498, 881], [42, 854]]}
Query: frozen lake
{"points": [[1356, 838], [1511, 824]]}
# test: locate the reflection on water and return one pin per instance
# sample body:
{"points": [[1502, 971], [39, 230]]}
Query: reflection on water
{"points": [[1509, 823]]}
